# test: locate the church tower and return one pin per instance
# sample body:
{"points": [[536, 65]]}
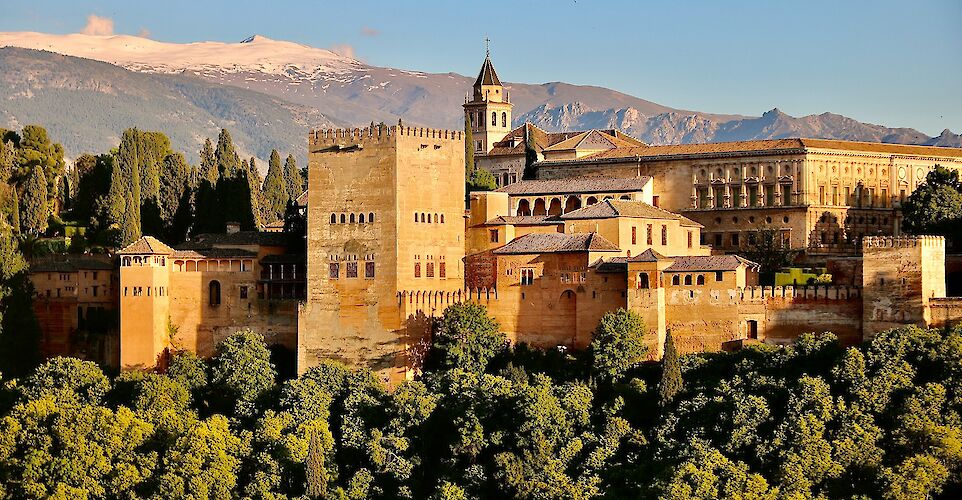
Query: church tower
{"points": [[489, 111]]}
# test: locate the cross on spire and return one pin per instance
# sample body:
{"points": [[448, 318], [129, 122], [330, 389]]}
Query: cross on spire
{"points": [[487, 50]]}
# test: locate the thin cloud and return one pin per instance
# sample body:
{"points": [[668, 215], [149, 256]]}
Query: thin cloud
{"points": [[369, 31], [97, 25], [344, 50]]}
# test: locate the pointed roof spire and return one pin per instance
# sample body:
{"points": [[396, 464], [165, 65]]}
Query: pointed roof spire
{"points": [[487, 76]]}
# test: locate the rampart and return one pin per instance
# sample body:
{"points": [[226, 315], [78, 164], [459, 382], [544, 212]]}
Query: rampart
{"points": [[379, 133]]}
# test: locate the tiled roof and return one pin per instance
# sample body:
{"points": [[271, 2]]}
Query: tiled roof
{"points": [[573, 185], [557, 243], [650, 255], [147, 245], [70, 264], [512, 144], [708, 263], [612, 265], [212, 253], [487, 76], [262, 238], [523, 220], [773, 146], [612, 137], [624, 208]]}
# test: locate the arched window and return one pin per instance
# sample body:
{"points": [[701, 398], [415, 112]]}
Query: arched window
{"points": [[675, 280], [415, 216], [333, 219], [642, 280], [353, 220], [688, 279], [126, 261], [442, 218], [360, 219], [422, 217], [504, 119], [370, 217], [494, 118], [435, 218], [700, 280], [214, 289], [343, 219]]}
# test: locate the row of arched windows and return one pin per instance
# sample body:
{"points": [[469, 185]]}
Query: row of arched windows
{"points": [[426, 218], [353, 218], [494, 119]]}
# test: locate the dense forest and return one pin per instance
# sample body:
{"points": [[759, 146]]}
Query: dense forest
{"points": [[488, 420]]}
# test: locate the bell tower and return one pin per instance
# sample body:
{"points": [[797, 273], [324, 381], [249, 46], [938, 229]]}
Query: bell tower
{"points": [[489, 110]]}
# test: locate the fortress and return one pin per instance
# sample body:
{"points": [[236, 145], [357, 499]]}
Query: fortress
{"points": [[606, 222]]}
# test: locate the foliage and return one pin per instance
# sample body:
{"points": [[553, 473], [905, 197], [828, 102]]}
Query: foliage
{"points": [[468, 147], [34, 206], [670, 384], [618, 344], [481, 180], [530, 155], [275, 190], [242, 373], [292, 178], [467, 338], [935, 207], [769, 252], [19, 330]]}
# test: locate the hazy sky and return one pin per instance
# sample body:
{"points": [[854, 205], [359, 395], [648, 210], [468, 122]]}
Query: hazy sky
{"points": [[896, 63]]}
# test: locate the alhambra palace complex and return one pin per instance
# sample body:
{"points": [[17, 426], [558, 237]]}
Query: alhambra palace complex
{"points": [[609, 222]]}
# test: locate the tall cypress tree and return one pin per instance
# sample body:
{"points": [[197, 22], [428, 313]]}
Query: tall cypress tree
{"points": [[468, 148], [254, 188], [530, 154], [671, 383], [317, 477], [275, 189], [35, 208], [292, 178], [208, 163], [226, 155], [128, 159]]}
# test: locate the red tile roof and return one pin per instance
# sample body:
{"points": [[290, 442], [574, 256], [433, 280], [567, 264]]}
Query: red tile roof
{"points": [[535, 243], [609, 209], [573, 185], [147, 245]]}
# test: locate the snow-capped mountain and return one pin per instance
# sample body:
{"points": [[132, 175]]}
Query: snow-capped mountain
{"points": [[351, 92]]}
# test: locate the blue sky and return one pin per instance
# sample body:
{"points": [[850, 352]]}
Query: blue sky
{"points": [[897, 63]]}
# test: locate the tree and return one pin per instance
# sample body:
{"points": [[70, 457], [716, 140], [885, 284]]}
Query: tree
{"points": [[226, 155], [770, 253], [292, 178], [19, 331], [618, 344], [275, 189], [530, 154], [242, 373], [481, 180], [468, 147], [466, 337], [34, 205], [35, 150], [935, 207], [174, 198], [317, 477], [208, 163], [67, 381], [671, 383]]}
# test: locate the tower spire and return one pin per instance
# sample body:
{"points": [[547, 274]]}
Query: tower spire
{"points": [[487, 49]]}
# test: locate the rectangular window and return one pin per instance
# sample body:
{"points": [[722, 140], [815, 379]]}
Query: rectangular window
{"points": [[494, 236], [689, 239], [884, 200], [334, 270], [634, 235], [753, 196], [243, 292], [719, 197], [703, 197], [718, 239], [902, 195], [848, 195], [442, 270], [650, 236], [417, 269], [735, 241], [786, 194], [770, 196], [368, 269], [527, 276], [834, 195], [430, 270], [871, 197], [352, 269], [664, 234], [821, 195], [718, 275]]}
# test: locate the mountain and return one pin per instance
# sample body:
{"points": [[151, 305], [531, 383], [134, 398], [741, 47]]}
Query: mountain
{"points": [[86, 105], [351, 92]]}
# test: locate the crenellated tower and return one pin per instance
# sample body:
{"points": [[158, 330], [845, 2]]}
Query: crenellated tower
{"points": [[489, 110]]}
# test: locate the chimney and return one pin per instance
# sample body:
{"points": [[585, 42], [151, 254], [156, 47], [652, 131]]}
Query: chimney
{"points": [[233, 227]]}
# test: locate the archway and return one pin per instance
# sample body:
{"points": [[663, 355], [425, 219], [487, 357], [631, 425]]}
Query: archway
{"points": [[524, 208], [555, 207], [572, 203], [565, 320], [591, 200], [539, 208]]}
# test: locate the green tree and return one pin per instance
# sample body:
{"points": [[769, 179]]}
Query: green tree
{"points": [[19, 331], [275, 190], [35, 150], [208, 163], [935, 207], [242, 373], [618, 344], [466, 337], [226, 155], [769, 252], [67, 381], [292, 178], [530, 154], [481, 180], [34, 205], [317, 477], [671, 383], [468, 147]]}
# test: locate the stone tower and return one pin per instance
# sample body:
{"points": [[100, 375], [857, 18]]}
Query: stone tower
{"points": [[144, 302], [385, 216], [489, 110]]}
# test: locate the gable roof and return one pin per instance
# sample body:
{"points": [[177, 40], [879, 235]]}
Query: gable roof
{"points": [[609, 209], [512, 144], [523, 220], [147, 245], [212, 253], [534, 243], [611, 137], [487, 76], [709, 263], [650, 255], [572, 185]]}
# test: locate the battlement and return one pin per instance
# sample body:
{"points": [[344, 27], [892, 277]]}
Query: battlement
{"points": [[377, 134], [903, 241], [757, 293]]}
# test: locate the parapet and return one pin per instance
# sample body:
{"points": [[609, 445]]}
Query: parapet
{"points": [[813, 292], [377, 134], [902, 241]]}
